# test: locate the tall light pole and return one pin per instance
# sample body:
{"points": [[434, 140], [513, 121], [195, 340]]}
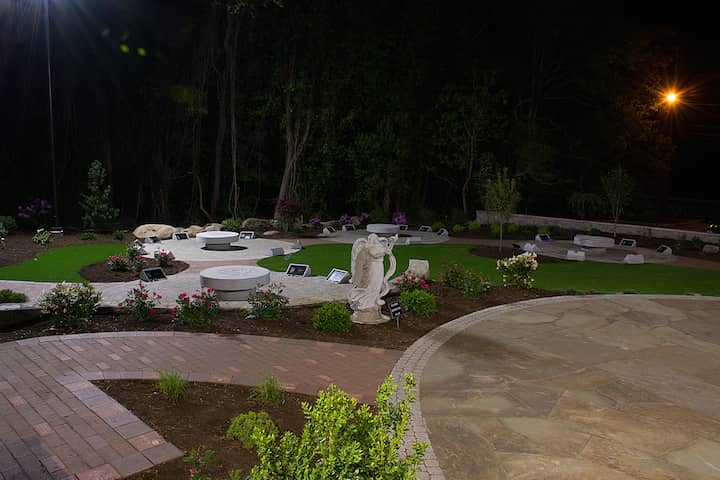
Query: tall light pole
{"points": [[56, 207]]}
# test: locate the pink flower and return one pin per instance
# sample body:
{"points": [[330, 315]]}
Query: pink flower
{"points": [[152, 311]]}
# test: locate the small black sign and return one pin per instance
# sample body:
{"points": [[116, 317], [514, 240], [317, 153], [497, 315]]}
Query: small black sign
{"points": [[425, 228], [247, 235], [663, 249], [181, 236], [396, 311], [152, 274], [543, 237], [57, 230], [138, 243], [152, 239], [329, 230], [628, 242], [403, 227], [348, 228], [298, 270], [443, 232]]}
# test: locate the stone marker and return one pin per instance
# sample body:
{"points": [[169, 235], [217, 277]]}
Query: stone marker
{"points": [[628, 242], [634, 259], [420, 268], [530, 247], [276, 252], [710, 248], [664, 250], [577, 255], [163, 232]]}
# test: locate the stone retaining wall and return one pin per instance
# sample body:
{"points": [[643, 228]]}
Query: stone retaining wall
{"points": [[484, 217]]}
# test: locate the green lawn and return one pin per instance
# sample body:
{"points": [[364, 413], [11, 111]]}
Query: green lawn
{"points": [[60, 264], [580, 276]]}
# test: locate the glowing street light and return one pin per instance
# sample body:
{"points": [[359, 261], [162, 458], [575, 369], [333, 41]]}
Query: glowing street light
{"points": [[671, 98], [56, 207]]}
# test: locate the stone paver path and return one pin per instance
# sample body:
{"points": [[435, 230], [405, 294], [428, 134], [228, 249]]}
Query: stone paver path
{"points": [[55, 424], [608, 387]]}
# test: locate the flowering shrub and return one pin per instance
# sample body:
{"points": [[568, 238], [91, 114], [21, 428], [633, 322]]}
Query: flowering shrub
{"points": [[42, 237], [469, 283], [399, 218], [138, 263], [198, 459], [268, 302], [118, 234], [410, 281], [140, 303], [315, 222], [345, 219], [118, 263], [162, 258], [133, 250], [70, 304], [35, 213], [518, 270], [197, 309]]}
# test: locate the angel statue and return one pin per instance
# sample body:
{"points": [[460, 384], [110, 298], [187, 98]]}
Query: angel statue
{"points": [[369, 281]]}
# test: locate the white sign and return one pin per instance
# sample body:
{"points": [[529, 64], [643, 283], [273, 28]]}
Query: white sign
{"points": [[181, 236], [628, 242], [247, 235], [425, 228], [443, 232], [298, 270], [338, 275], [348, 228]]}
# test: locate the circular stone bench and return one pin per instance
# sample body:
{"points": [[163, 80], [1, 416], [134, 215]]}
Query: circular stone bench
{"points": [[234, 282], [217, 240], [383, 228], [593, 241]]}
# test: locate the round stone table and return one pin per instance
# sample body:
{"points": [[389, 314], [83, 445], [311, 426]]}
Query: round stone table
{"points": [[383, 228], [234, 282], [217, 240], [593, 241]]}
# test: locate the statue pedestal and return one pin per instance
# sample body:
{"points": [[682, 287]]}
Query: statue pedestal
{"points": [[369, 317]]}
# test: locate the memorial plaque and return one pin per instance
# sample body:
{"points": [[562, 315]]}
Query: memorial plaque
{"points": [[138, 243], [247, 235], [664, 250], [328, 230], [425, 228], [276, 252], [403, 227], [337, 275], [628, 242], [181, 236], [543, 237], [152, 239], [348, 228], [298, 270], [56, 231], [443, 232], [152, 274]]}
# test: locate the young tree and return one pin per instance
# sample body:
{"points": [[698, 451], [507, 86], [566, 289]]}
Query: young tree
{"points": [[617, 185], [97, 203], [501, 197]]}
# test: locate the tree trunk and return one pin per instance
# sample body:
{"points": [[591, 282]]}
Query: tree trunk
{"points": [[234, 193], [222, 119], [501, 238]]}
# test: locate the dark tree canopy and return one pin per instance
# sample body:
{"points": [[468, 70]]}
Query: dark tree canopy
{"points": [[205, 110]]}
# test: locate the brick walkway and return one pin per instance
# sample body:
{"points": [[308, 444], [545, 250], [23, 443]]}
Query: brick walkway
{"points": [[54, 424]]}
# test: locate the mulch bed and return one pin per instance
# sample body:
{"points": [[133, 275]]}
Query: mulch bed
{"points": [[201, 418], [296, 322], [100, 272]]}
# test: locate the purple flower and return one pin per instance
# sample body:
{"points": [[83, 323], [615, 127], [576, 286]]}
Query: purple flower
{"points": [[399, 218], [345, 219], [364, 216], [315, 221]]}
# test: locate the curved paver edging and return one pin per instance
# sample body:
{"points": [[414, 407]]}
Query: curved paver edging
{"points": [[54, 423], [416, 358]]}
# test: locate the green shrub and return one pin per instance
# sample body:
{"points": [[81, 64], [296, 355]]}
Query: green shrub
{"points": [[8, 222], [199, 458], [268, 393], [512, 227], [70, 304], [473, 227], [244, 425], [457, 228], [437, 226], [343, 440], [418, 302], [332, 317], [378, 215], [596, 232], [8, 296], [118, 234], [42, 238], [233, 224], [3, 234], [97, 202], [697, 243], [87, 236], [172, 385], [543, 230]]}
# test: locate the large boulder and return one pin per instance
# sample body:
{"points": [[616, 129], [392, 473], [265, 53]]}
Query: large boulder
{"points": [[271, 233], [193, 230], [213, 227], [419, 268], [159, 230], [259, 224]]}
